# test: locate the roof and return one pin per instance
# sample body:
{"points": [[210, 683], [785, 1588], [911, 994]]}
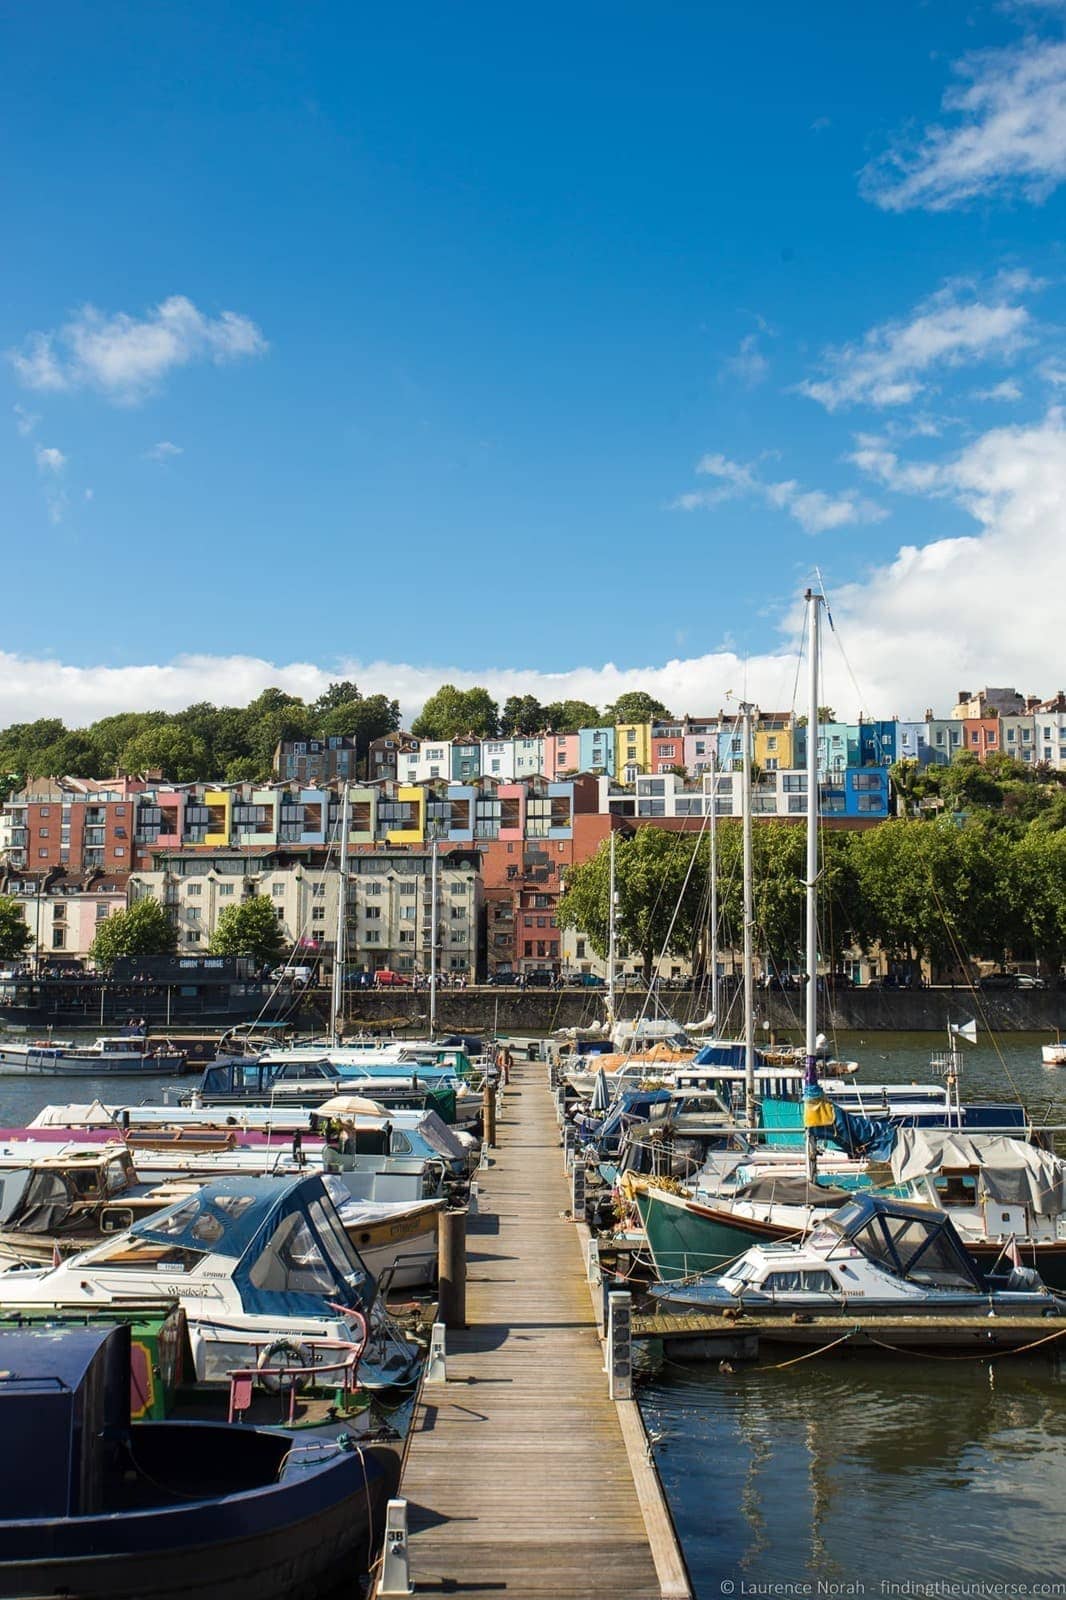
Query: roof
{"points": [[224, 1217]]}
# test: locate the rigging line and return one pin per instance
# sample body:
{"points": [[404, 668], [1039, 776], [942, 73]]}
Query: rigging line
{"points": [[978, 1003], [779, 1366], [980, 1355]]}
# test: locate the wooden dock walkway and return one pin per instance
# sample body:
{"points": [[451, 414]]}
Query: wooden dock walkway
{"points": [[520, 1471]]}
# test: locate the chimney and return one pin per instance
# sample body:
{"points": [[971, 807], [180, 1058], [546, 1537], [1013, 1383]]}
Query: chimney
{"points": [[963, 696], [929, 714]]}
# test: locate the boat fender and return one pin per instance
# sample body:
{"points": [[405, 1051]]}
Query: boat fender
{"points": [[282, 1353]]}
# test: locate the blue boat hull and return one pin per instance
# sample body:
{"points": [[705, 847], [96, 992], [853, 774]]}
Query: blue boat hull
{"points": [[295, 1538]]}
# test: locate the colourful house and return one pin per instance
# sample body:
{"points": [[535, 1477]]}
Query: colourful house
{"points": [[632, 749]]}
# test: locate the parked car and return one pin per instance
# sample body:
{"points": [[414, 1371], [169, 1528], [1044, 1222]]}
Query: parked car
{"points": [[385, 978], [540, 978], [1000, 980], [587, 980], [1027, 980], [510, 979]]}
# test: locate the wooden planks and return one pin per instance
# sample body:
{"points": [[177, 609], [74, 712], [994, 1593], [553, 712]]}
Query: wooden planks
{"points": [[517, 1476]]}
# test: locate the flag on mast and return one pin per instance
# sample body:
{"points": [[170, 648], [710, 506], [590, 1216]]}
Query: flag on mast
{"points": [[965, 1030]]}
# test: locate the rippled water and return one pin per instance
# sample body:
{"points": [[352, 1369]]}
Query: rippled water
{"points": [[857, 1470]]}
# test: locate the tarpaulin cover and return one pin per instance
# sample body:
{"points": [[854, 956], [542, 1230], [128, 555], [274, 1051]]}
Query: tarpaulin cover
{"points": [[1009, 1170]]}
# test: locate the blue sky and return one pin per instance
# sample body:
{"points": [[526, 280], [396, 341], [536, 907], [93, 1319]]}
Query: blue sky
{"points": [[505, 343]]}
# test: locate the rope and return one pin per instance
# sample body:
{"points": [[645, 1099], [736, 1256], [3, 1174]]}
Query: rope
{"points": [[778, 1366], [984, 1355]]}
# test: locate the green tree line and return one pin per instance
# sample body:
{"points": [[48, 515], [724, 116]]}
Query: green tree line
{"points": [[946, 889], [236, 743]]}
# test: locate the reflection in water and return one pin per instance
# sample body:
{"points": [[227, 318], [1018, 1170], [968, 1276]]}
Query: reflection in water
{"points": [[860, 1470]]}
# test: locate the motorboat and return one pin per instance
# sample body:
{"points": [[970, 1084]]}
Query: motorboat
{"points": [[873, 1256], [57, 1203], [99, 1505], [254, 1261], [397, 1240], [121, 1056]]}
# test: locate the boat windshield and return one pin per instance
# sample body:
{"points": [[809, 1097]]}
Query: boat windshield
{"points": [[292, 1261]]}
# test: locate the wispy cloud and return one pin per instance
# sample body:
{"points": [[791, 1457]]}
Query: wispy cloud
{"points": [[1009, 136], [814, 510], [892, 363], [748, 365], [127, 357], [25, 421], [49, 459], [1007, 390], [164, 451]]}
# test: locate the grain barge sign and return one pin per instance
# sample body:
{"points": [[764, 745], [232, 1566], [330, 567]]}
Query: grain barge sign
{"points": [[184, 969]]}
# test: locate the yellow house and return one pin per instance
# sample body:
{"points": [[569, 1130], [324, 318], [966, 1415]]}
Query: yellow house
{"points": [[774, 741], [411, 801], [632, 748], [219, 804]]}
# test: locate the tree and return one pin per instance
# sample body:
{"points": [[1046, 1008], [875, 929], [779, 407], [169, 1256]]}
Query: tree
{"points": [[451, 712], [14, 931], [522, 713], [650, 873], [177, 753], [143, 930], [637, 706], [271, 717], [570, 716], [361, 718], [110, 736], [248, 929]]}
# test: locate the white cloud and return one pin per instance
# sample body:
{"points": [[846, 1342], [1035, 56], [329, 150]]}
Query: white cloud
{"points": [[164, 451], [49, 459], [815, 511], [1007, 390], [25, 421], [890, 365], [126, 357], [972, 610], [749, 365], [1009, 136]]}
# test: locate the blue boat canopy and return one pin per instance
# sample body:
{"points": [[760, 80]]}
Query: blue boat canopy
{"points": [[912, 1242]]}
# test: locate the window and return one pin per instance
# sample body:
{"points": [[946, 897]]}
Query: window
{"points": [[318, 913], [225, 888], [44, 853], [192, 888], [407, 913], [293, 1262], [120, 850], [192, 913], [46, 811], [372, 913], [44, 833], [373, 936], [277, 890], [101, 911]]}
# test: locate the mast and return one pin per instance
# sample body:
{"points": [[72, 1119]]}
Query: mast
{"points": [[714, 884], [341, 943], [811, 1032], [750, 1108], [611, 954], [433, 934]]}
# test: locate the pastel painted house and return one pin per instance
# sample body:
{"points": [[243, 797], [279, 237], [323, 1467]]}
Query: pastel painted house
{"points": [[596, 752]]}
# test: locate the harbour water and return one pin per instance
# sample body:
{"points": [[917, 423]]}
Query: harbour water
{"points": [[868, 1473], [855, 1473]]}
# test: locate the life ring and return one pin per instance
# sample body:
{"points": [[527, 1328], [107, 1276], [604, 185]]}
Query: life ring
{"points": [[284, 1353]]}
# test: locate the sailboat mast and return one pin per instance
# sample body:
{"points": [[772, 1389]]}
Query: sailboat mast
{"points": [[750, 1108], [813, 602], [433, 939], [612, 899], [341, 943], [810, 1076], [714, 885]]}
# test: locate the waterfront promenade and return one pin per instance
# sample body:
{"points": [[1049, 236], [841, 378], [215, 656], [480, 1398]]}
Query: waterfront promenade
{"points": [[520, 1470]]}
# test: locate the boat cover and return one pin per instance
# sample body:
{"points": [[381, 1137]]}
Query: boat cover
{"points": [[1009, 1170], [791, 1189]]}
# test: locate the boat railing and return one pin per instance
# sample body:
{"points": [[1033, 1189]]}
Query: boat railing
{"points": [[292, 1376]]}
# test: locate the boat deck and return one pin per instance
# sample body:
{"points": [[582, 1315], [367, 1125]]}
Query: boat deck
{"points": [[518, 1478]]}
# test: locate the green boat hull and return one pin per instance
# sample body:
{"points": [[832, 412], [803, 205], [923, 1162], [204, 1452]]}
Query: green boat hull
{"points": [[682, 1240]]}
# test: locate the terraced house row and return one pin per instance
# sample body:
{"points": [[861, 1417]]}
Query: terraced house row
{"points": [[75, 849]]}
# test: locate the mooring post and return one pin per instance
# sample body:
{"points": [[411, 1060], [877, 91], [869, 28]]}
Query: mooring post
{"points": [[620, 1345], [395, 1559], [488, 1115], [451, 1269], [594, 1272], [437, 1359], [569, 1141]]}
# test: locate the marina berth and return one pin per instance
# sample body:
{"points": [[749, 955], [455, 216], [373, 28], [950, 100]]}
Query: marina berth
{"points": [[873, 1257]]}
